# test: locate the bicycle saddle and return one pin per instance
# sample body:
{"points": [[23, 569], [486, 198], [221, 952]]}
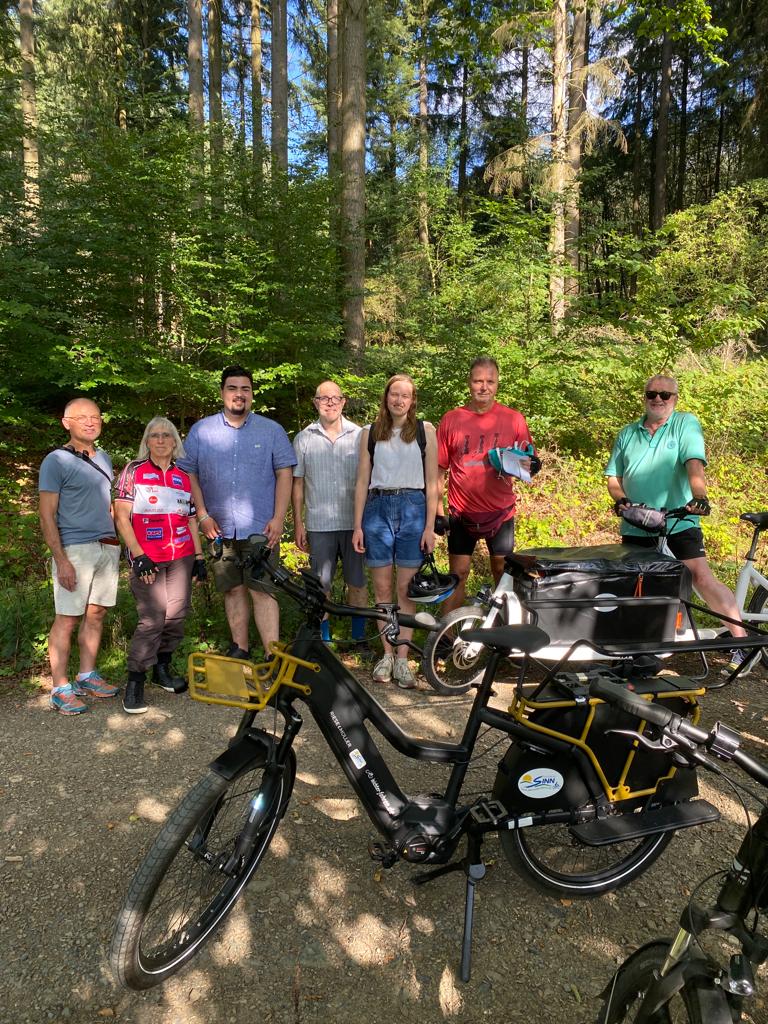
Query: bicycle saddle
{"points": [[756, 518], [508, 638]]}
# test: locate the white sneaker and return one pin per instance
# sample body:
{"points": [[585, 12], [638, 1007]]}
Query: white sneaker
{"points": [[382, 670], [403, 675]]}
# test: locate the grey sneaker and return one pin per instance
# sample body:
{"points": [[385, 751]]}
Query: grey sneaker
{"points": [[382, 670], [738, 657], [403, 675]]}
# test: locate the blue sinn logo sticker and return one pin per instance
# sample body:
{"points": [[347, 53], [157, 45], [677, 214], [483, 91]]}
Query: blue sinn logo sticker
{"points": [[540, 783]]}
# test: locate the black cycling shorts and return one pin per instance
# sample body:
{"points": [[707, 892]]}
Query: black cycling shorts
{"points": [[462, 542], [683, 545]]}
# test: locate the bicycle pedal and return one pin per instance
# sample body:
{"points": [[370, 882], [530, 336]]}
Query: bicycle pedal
{"points": [[381, 855], [488, 812]]}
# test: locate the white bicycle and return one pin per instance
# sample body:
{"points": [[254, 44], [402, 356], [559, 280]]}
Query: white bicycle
{"points": [[752, 585]]}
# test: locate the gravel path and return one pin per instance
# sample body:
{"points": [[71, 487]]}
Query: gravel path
{"points": [[320, 933]]}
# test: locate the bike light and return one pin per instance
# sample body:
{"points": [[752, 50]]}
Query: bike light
{"points": [[740, 981]]}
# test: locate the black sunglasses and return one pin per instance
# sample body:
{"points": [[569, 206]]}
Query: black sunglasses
{"points": [[663, 395]]}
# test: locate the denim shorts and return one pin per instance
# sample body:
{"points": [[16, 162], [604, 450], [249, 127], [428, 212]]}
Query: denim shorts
{"points": [[393, 525]]}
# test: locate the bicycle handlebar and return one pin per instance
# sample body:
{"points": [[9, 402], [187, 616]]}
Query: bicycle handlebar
{"points": [[310, 597], [653, 520], [721, 740]]}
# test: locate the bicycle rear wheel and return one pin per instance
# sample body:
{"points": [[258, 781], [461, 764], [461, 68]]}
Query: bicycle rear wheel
{"points": [[700, 1001], [551, 859], [757, 604], [450, 664], [180, 893]]}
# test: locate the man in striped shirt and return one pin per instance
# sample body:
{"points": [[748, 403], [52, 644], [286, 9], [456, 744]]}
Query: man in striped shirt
{"points": [[323, 498]]}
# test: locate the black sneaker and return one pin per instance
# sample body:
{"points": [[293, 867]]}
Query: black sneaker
{"points": [[133, 699], [163, 677], [233, 651]]}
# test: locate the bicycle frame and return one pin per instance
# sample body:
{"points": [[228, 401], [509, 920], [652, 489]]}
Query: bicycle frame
{"points": [[750, 578]]}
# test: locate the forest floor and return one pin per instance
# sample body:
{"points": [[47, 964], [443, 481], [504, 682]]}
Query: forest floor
{"points": [[320, 933]]}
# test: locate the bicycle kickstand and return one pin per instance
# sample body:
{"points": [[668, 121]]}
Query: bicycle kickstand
{"points": [[473, 867]]}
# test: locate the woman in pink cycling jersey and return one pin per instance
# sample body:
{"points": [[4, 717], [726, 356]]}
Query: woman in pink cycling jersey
{"points": [[156, 519]]}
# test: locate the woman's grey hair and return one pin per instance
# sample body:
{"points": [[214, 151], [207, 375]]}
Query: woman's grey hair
{"points": [[161, 423]]}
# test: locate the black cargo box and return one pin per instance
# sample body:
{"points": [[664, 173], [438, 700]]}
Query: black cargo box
{"points": [[614, 592]]}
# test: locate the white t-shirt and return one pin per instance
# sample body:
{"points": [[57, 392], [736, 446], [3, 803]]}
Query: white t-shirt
{"points": [[396, 464]]}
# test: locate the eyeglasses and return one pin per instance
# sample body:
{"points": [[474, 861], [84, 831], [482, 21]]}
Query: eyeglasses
{"points": [[84, 419], [332, 400], [160, 437], [663, 395]]}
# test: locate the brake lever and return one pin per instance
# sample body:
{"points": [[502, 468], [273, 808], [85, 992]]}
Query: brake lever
{"points": [[664, 744]]}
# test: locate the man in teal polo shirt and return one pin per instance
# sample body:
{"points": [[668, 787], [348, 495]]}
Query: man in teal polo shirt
{"points": [[659, 460]]}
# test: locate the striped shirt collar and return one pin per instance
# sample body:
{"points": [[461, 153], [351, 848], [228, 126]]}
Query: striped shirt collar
{"points": [[347, 426]]}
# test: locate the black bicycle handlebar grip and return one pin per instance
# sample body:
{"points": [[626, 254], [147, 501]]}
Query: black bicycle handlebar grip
{"points": [[621, 697]]}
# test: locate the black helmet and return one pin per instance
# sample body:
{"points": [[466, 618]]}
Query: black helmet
{"points": [[428, 586]]}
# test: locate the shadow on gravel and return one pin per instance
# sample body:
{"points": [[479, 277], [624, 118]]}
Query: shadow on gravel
{"points": [[321, 934]]}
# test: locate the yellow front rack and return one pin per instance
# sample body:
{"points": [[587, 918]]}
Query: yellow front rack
{"points": [[215, 679]]}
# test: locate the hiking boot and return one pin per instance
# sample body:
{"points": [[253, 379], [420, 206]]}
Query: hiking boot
{"points": [[133, 699], [382, 670], [738, 657], [163, 677], [93, 685], [233, 651], [64, 699], [403, 675]]}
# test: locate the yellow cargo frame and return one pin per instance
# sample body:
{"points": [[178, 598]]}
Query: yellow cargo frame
{"points": [[521, 708], [235, 683]]}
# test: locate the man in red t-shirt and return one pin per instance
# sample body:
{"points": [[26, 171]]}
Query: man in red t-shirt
{"points": [[481, 501]]}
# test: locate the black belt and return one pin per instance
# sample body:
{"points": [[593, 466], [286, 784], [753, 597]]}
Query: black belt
{"points": [[394, 490]]}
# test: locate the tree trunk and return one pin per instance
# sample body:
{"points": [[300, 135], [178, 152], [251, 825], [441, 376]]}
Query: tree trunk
{"points": [[241, 68], [353, 174], [719, 152], [423, 138], [463, 136], [280, 85], [637, 154], [577, 105], [30, 151], [682, 156], [558, 174], [662, 136], [257, 126], [214, 78], [121, 116], [333, 86], [195, 61]]}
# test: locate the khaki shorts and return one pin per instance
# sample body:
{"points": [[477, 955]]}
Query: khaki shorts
{"points": [[97, 568], [228, 574]]}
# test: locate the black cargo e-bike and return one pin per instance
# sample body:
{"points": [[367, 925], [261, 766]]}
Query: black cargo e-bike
{"points": [[579, 811]]}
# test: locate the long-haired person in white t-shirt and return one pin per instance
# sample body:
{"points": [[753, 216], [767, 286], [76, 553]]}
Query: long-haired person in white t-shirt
{"points": [[395, 504]]}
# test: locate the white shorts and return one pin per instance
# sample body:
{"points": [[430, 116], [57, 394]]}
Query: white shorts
{"points": [[97, 567]]}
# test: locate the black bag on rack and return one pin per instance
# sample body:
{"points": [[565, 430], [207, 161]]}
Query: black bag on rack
{"points": [[613, 592]]}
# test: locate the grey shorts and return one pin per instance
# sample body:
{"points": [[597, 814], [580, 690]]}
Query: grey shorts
{"points": [[326, 548], [228, 573]]}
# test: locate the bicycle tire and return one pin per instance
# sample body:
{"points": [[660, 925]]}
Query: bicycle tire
{"points": [[456, 673], [757, 604], [179, 896], [700, 1001]]}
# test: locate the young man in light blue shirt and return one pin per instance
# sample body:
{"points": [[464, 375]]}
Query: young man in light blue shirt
{"points": [[659, 460], [240, 467]]}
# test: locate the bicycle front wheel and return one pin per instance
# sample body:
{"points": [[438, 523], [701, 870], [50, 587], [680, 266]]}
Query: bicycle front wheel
{"points": [[758, 604], [700, 1001], [450, 664], [180, 893]]}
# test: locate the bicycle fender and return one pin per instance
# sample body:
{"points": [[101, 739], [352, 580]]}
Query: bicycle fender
{"points": [[251, 747]]}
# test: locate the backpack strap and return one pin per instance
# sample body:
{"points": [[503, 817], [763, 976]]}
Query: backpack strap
{"points": [[84, 457]]}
